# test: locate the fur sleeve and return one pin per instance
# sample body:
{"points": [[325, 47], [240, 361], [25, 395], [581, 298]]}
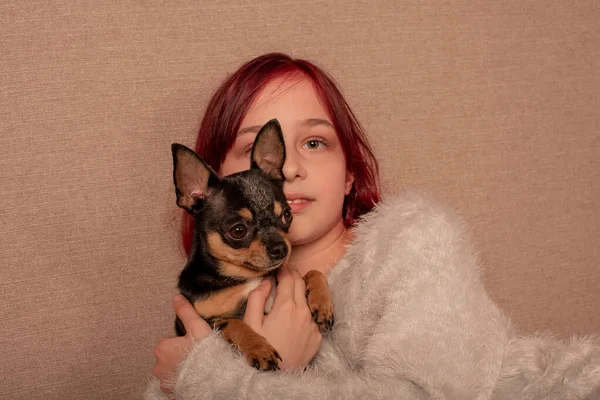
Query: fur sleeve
{"points": [[213, 370], [431, 320], [412, 321], [541, 367]]}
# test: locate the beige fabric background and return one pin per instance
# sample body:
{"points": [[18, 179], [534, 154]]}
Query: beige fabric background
{"points": [[493, 107]]}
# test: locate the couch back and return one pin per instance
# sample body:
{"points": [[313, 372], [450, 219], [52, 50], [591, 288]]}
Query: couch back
{"points": [[492, 107]]}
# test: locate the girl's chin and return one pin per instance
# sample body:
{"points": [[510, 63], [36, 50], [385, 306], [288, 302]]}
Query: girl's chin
{"points": [[298, 240], [304, 231], [299, 235]]}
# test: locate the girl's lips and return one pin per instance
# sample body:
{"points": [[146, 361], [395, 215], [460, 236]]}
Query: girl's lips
{"points": [[298, 203]]}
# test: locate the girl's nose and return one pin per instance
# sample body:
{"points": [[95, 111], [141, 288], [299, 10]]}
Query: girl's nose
{"points": [[292, 167]]}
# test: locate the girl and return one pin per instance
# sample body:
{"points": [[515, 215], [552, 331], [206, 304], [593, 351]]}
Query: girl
{"points": [[412, 319]]}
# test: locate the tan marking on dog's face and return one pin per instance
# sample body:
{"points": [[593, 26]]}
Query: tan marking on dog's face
{"points": [[246, 214], [224, 302], [233, 270], [288, 244], [232, 260], [278, 208]]}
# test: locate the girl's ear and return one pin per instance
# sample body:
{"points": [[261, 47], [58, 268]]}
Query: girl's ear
{"points": [[268, 151], [349, 183], [191, 176]]}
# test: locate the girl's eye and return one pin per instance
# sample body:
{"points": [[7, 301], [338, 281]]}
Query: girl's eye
{"points": [[314, 144], [238, 232], [248, 149]]}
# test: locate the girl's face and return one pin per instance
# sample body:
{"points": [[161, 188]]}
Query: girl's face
{"points": [[316, 179]]}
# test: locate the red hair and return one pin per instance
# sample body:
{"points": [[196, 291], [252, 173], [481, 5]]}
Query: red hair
{"points": [[233, 98]]}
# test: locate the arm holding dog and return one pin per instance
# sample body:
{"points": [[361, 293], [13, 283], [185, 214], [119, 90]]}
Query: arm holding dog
{"points": [[413, 320], [280, 384], [289, 326], [170, 352]]}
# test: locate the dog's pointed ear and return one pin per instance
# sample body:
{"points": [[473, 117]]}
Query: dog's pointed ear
{"points": [[268, 151], [192, 178]]}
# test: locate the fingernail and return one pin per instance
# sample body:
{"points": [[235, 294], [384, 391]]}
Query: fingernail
{"points": [[178, 297], [264, 282]]}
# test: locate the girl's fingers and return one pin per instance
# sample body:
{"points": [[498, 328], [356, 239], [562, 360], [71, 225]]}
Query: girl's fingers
{"points": [[255, 308], [194, 324], [285, 285], [169, 353], [299, 288]]}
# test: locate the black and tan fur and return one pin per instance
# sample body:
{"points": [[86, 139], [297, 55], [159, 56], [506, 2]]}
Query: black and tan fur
{"points": [[241, 223]]}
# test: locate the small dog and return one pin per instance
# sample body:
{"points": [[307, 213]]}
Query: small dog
{"points": [[241, 223]]}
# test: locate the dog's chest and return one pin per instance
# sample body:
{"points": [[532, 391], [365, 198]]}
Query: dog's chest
{"points": [[227, 302], [254, 284]]}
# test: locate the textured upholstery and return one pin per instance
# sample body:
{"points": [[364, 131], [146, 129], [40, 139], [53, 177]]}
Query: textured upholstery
{"points": [[492, 107]]}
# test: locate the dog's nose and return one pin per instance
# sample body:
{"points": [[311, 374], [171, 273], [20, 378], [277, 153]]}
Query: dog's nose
{"points": [[277, 251]]}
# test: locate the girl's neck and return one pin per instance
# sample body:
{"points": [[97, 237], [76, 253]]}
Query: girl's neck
{"points": [[323, 253]]}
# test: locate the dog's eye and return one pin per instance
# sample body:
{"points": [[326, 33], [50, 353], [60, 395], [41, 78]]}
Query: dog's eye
{"points": [[287, 216], [239, 231]]}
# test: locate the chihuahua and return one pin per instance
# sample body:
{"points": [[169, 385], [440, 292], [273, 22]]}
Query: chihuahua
{"points": [[241, 223]]}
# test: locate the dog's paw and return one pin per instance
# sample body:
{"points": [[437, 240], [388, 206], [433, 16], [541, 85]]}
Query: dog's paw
{"points": [[262, 356], [321, 308], [254, 347], [319, 299]]}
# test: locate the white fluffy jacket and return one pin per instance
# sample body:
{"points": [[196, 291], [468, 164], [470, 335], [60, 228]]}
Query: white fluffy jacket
{"points": [[412, 321]]}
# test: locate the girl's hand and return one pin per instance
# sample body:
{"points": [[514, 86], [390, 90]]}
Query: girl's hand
{"points": [[289, 326], [171, 351]]}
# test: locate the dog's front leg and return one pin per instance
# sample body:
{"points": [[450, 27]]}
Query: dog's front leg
{"points": [[255, 348], [319, 299]]}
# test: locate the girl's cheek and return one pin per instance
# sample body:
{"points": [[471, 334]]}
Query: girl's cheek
{"points": [[235, 163]]}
